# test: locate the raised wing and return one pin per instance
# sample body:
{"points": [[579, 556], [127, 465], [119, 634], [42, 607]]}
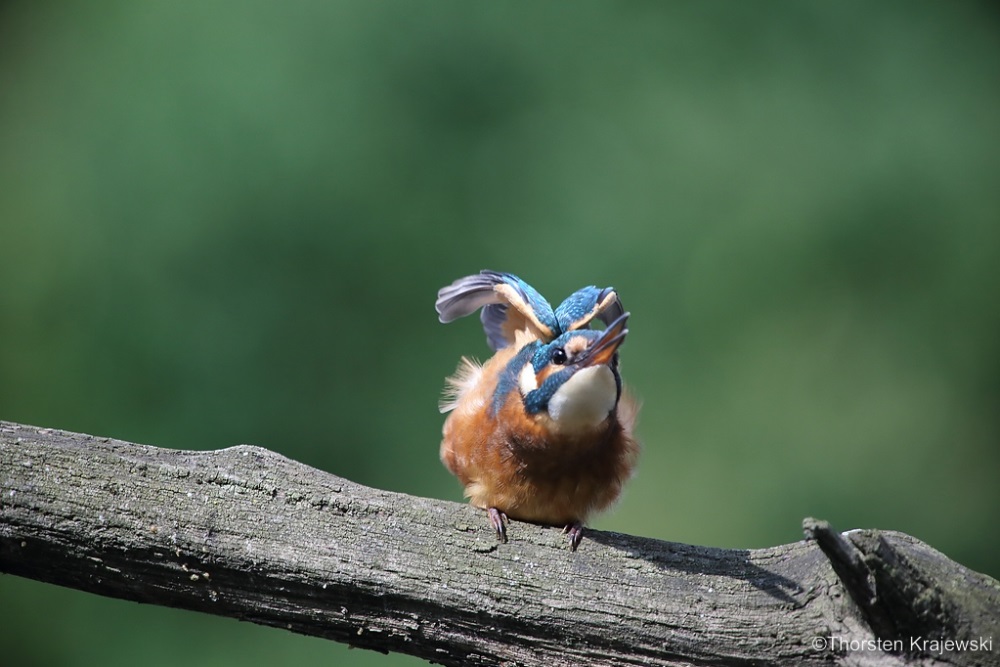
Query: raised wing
{"points": [[509, 304], [583, 305]]}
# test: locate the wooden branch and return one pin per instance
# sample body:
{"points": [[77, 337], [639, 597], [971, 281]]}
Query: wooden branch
{"points": [[245, 532]]}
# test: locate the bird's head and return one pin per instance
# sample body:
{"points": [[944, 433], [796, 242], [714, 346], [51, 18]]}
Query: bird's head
{"points": [[573, 380]]}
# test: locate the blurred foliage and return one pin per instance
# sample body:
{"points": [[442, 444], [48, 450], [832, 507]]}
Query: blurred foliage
{"points": [[226, 223]]}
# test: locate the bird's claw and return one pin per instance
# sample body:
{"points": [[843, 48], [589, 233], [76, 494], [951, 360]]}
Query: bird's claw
{"points": [[499, 521], [575, 531]]}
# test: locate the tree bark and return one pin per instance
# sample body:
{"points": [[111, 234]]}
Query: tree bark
{"points": [[248, 533]]}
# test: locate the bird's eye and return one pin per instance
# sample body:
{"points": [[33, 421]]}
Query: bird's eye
{"points": [[559, 356]]}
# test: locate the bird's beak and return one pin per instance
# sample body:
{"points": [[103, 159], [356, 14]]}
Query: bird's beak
{"points": [[603, 350]]}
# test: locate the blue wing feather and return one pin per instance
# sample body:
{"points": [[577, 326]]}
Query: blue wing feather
{"points": [[583, 305], [493, 317], [464, 297], [495, 293]]}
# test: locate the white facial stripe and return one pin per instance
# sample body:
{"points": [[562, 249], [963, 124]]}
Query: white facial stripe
{"points": [[527, 381]]}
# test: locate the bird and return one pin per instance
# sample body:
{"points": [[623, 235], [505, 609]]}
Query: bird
{"points": [[543, 431]]}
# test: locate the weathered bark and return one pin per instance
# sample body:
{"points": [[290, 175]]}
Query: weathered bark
{"points": [[245, 532]]}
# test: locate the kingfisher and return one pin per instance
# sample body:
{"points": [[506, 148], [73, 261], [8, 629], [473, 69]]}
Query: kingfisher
{"points": [[543, 431]]}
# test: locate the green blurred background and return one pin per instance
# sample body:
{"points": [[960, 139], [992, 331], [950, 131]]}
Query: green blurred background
{"points": [[226, 223]]}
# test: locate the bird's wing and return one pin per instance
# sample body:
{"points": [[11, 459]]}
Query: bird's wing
{"points": [[583, 305], [509, 305]]}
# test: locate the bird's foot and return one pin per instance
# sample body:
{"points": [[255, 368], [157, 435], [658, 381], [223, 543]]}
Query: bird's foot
{"points": [[575, 531], [499, 521]]}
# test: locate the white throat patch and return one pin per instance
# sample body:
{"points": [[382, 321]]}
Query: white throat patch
{"points": [[585, 400], [527, 380]]}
